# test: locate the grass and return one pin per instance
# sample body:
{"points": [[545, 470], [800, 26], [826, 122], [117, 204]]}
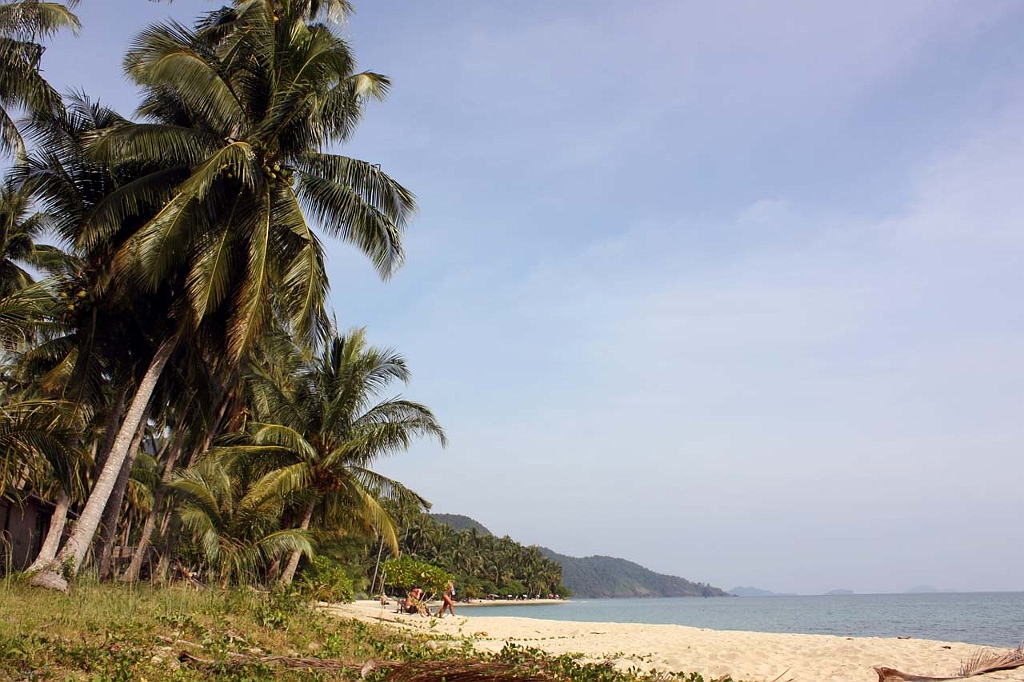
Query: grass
{"points": [[110, 633]]}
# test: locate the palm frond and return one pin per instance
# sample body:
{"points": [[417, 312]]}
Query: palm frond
{"points": [[10, 137], [209, 278], [150, 143], [285, 437], [304, 281], [283, 482], [29, 19], [166, 55], [356, 202], [21, 311], [251, 300]]}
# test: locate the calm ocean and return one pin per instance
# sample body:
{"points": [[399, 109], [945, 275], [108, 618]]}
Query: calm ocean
{"points": [[992, 618]]}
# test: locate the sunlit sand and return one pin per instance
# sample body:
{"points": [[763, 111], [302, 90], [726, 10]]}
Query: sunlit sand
{"points": [[752, 656]]}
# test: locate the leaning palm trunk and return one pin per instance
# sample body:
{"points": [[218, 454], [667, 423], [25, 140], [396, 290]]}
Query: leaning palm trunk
{"points": [[69, 560], [293, 561], [110, 431], [53, 534], [104, 550], [131, 574]]}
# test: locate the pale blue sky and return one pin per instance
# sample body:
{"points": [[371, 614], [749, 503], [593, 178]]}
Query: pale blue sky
{"points": [[729, 289]]}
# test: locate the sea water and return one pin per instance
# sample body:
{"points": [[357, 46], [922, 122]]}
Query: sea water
{"points": [[988, 618]]}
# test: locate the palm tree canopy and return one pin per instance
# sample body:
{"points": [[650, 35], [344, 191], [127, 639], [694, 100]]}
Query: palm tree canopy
{"points": [[20, 227], [34, 436], [244, 107], [237, 531], [329, 426], [22, 24]]}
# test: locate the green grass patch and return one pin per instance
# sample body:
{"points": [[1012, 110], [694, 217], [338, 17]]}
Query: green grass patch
{"points": [[112, 633]]}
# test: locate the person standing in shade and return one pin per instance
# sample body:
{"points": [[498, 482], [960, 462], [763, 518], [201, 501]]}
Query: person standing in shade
{"points": [[448, 599]]}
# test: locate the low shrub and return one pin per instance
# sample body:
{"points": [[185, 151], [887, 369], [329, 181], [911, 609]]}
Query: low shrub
{"points": [[326, 580]]}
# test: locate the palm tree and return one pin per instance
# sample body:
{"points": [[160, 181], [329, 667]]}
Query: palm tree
{"points": [[33, 433], [328, 428], [25, 305], [20, 227], [60, 475], [97, 338], [236, 530], [239, 110], [22, 312], [21, 85]]}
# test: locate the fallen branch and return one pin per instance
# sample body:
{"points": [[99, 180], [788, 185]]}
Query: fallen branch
{"points": [[985, 661]]}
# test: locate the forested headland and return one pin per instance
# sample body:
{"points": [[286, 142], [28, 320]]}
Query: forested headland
{"points": [[601, 577]]}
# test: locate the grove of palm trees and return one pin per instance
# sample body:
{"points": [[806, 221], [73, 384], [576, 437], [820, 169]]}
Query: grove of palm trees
{"points": [[177, 394]]}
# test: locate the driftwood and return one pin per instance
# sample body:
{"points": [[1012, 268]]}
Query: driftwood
{"points": [[984, 661]]}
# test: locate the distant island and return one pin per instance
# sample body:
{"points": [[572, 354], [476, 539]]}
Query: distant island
{"points": [[602, 577], [757, 592], [836, 593]]}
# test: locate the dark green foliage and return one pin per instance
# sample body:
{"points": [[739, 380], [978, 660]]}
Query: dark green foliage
{"points": [[481, 564], [406, 573], [459, 522], [326, 580], [536, 664], [275, 609]]}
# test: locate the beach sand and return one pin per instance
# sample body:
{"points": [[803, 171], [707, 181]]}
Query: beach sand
{"points": [[748, 656]]}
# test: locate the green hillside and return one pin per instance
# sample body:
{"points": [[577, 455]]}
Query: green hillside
{"points": [[459, 522], [599, 577], [481, 563]]}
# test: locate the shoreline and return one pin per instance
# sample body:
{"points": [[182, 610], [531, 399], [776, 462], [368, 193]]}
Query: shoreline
{"points": [[483, 603], [746, 656]]}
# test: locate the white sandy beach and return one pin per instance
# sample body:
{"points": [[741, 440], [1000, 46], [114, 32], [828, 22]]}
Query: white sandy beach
{"points": [[748, 656]]}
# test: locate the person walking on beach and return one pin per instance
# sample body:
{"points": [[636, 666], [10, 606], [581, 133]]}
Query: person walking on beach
{"points": [[447, 599]]}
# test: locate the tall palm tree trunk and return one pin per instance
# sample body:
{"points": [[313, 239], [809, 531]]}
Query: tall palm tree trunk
{"points": [[169, 529], [58, 520], [373, 581], [104, 550], [293, 561], [131, 574], [113, 421], [142, 548], [70, 557], [51, 543]]}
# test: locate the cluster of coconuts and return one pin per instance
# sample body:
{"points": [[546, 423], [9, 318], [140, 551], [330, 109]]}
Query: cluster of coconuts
{"points": [[80, 294], [275, 171]]}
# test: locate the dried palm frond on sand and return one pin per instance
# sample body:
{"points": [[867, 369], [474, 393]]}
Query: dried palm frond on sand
{"points": [[985, 661]]}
